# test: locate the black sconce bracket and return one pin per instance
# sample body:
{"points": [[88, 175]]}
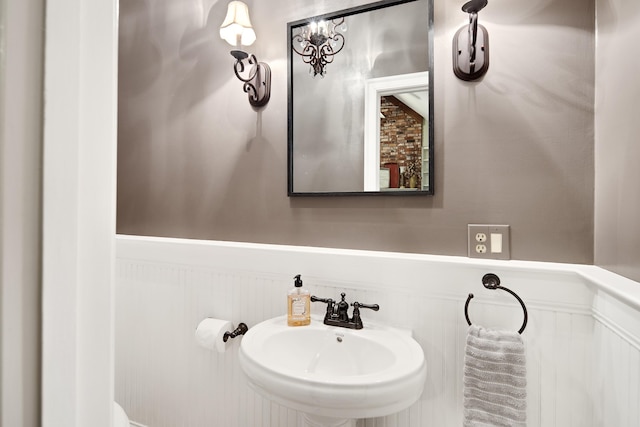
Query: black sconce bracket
{"points": [[258, 82], [471, 45]]}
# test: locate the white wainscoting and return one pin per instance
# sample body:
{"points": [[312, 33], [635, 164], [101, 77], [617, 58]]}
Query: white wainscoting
{"points": [[583, 336]]}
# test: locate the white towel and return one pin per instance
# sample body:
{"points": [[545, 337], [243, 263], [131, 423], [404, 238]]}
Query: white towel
{"points": [[495, 379]]}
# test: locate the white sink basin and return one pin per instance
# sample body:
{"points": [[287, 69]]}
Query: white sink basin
{"points": [[334, 372]]}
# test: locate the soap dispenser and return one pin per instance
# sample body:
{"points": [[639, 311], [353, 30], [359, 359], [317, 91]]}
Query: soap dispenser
{"points": [[298, 305]]}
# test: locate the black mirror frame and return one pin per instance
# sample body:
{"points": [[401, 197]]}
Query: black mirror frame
{"points": [[330, 16]]}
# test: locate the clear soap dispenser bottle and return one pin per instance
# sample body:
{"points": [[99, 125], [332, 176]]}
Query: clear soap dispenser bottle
{"points": [[298, 305]]}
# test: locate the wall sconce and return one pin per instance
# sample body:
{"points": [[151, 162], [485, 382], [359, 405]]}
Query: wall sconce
{"points": [[471, 45], [319, 42], [237, 31]]}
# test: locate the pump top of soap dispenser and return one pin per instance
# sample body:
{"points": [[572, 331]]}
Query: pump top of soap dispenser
{"points": [[298, 282]]}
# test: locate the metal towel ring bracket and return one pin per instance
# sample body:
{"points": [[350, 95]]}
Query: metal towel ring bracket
{"points": [[491, 281]]}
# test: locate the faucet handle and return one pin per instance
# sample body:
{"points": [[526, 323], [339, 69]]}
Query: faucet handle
{"points": [[356, 319], [324, 300], [329, 314], [374, 307]]}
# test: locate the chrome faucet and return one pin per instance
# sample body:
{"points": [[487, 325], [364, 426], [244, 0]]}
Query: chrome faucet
{"points": [[338, 313]]}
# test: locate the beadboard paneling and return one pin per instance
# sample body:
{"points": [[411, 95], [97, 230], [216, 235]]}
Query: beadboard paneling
{"points": [[165, 287]]}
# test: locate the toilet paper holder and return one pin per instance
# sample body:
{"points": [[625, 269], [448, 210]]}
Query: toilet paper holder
{"points": [[240, 330]]}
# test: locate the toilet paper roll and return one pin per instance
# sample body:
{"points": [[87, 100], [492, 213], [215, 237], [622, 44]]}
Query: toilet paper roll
{"points": [[210, 334]]}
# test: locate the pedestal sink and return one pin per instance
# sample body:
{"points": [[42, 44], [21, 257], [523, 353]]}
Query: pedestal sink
{"points": [[334, 375]]}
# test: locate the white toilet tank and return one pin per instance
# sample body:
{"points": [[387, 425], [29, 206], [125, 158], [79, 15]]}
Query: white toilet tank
{"points": [[120, 418]]}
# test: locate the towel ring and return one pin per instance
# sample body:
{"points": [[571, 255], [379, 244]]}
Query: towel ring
{"points": [[491, 281]]}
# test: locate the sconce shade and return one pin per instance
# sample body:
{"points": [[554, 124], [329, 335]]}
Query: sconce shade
{"points": [[236, 28]]}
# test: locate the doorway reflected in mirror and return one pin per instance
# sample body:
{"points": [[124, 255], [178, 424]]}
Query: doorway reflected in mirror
{"points": [[401, 139]]}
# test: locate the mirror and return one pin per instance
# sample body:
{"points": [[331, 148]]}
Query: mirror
{"points": [[360, 101]]}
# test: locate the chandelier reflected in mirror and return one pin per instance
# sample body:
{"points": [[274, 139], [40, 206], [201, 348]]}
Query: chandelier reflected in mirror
{"points": [[318, 42]]}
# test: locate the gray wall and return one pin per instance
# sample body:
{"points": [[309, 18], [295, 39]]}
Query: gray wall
{"points": [[21, 68], [617, 207], [196, 161]]}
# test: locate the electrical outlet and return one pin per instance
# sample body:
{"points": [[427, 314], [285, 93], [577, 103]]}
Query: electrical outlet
{"points": [[488, 241]]}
